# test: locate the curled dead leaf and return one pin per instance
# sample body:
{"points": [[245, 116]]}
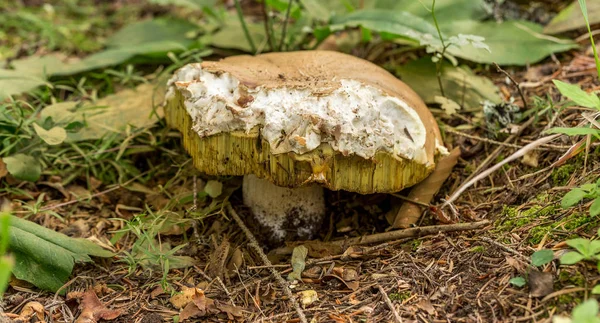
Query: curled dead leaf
{"points": [[308, 297], [182, 299], [93, 310]]}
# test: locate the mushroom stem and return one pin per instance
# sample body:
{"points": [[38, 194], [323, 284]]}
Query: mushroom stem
{"points": [[287, 213]]}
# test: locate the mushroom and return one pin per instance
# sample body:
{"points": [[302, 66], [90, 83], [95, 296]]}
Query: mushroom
{"points": [[294, 123]]}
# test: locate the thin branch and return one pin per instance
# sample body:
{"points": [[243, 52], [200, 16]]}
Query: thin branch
{"points": [[387, 300], [519, 153], [254, 244], [285, 23], [268, 26], [515, 83], [240, 14]]}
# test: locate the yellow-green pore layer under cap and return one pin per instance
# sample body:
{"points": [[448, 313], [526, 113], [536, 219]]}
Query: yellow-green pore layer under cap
{"points": [[241, 152]]}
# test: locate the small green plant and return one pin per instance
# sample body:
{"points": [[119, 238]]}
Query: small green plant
{"points": [[538, 259], [585, 191]]}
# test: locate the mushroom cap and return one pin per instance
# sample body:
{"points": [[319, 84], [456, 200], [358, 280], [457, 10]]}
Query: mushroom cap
{"points": [[301, 117]]}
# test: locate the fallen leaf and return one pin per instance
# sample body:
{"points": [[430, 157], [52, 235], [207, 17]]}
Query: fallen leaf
{"points": [[571, 18], [23, 167], [29, 310], [308, 297], [114, 114], [540, 283], [3, 170], [448, 105], [409, 213], [52, 137], [531, 159], [157, 292], [426, 306], [182, 299], [213, 188], [92, 310], [298, 263]]}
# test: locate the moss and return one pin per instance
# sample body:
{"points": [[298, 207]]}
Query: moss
{"points": [[401, 296], [512, 218], [574, 277], [477, 249], [560, 176], [415, 244]]}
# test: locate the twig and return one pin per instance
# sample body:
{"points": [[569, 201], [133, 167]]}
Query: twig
{"points": [[254, 244], [389, 236], [506, 248], [240, 14], [387, 300], [285, 23], [515, 83], [519, 153]]}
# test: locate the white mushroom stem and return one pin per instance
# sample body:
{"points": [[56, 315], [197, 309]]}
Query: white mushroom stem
{"points": [[295, 213]]}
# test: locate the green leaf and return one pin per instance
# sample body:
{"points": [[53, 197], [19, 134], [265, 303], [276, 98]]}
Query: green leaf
{"points": [[6, 266], [298, 263], [45, 257], [577, 131], [52, 137], [23, 167], [577, 95], [518, 281], [596, 290], [231, 35], [399, 23], [581, 245], [461, 85], [586, 312], [515, 42], [595, 208], [572, 197], [14, 82], [542, 257], [213, 188], [571, 18], [571, 258], [192, 4], [110, 115]]}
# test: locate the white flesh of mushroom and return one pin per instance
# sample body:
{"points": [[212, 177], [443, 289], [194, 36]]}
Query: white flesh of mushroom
{"points": [[354, 119]]}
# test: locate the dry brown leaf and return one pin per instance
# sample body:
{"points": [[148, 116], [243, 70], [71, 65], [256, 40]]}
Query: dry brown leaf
{"points": [[531, 159], [184, 298], [157, 292], [308, 297], [3, 170], [93, 310], [540, 283], [423, 192], [426, 306], [29, 310]]}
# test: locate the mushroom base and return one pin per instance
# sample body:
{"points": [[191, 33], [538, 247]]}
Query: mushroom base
{"points": [[285, 213]]}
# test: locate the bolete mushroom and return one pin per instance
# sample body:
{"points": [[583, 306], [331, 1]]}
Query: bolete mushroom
{"points": [[293, 123]]}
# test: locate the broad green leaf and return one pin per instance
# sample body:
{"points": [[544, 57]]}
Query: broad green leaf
{"points": [[298, 263], [513, 42], [460, 84], [595, 207], [42, 66], [23, 167], [447, 12], [46, 258], [318, 9], [231, 35], [192, 4], [54, 136], [110, 115], [577, 95], [594, 247], [518, 281], [15, 82], [542, 257], [577, 131], [596, 290], [571, 18], [581, 245], [586, 312], [571, 258], [572, 197], [399, 23]]}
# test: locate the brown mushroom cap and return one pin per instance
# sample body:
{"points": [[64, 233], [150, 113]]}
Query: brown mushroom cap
{"points": [[241, 152]]}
